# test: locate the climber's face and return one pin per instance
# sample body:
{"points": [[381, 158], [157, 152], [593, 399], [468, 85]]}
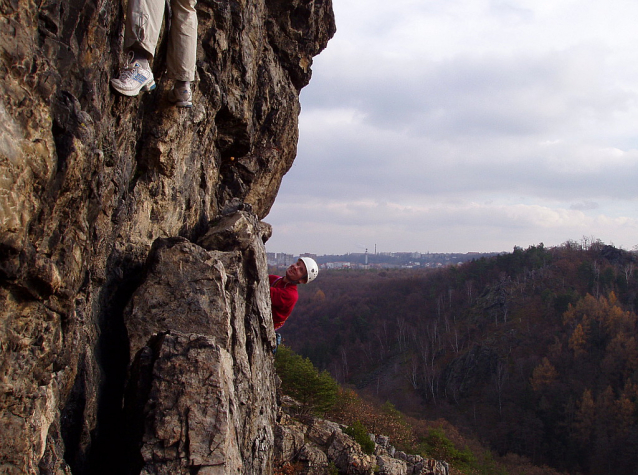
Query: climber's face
{"points": [[297, 271]]}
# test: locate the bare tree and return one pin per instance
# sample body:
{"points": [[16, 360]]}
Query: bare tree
{"points": [[499, 382], [367, 348], [596, 269], [413, 374], [454, 342], [431, 378], [427, 354], [379, 334], [402, 333], [629, 271], [469, 285], [344, 362]]}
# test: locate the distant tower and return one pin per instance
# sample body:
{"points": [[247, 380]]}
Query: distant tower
{"points": [[366, 256]]}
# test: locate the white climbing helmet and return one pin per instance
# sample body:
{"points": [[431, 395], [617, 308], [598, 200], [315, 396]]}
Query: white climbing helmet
{"points": [[311, 267]]}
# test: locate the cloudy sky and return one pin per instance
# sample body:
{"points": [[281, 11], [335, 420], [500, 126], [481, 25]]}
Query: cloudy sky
{"points": [[467, 125]]}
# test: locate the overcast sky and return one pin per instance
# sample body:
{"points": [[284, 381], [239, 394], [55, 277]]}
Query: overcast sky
{"points": [[466, 125]]}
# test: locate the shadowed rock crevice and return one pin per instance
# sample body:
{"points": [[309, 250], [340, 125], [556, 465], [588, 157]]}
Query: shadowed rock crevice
{"points": [[71, 426], [110, 451], [137, 394]]}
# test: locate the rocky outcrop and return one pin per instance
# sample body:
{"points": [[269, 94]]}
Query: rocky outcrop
{"points": [[318, 445], [470, 370], [201, 394], [118, 355]]}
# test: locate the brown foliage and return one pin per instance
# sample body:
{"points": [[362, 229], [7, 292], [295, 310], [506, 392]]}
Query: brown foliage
{"points": [[377, 419], [519, 465], [578, 341], [289, 469], [544, 375]]}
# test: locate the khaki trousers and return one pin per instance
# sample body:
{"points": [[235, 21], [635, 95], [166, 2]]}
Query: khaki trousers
{"points": [[143, 23]]}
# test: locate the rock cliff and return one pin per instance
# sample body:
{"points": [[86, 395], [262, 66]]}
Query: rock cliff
{"points": [[135, 324]]}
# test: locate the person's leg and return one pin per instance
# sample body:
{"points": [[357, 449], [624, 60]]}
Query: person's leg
{"points": [[143, 23], [182, 51]]}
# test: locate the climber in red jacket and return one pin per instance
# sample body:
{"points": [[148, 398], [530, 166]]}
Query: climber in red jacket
{"points": [[283, 290]]}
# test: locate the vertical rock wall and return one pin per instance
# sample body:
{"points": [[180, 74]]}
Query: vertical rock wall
{"points": [[89, 180]]}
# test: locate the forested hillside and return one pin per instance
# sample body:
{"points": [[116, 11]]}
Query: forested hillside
{"points": [[533, 352]]}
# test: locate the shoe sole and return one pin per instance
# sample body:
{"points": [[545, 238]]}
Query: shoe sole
{"points": [[147, 86]]}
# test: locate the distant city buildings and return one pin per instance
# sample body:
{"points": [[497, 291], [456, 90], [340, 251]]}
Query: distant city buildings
{"points": [[382, 260], [280, 259], [337, 265]]}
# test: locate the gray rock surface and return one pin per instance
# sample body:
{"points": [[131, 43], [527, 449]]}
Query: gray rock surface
{"points": [[204, 355], [391, 466]]}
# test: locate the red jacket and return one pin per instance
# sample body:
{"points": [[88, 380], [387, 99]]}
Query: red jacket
{"points": [[284, 297]]}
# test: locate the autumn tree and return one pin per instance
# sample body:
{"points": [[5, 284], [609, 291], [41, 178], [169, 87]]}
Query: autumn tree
{"points": [[578, 341], [585, 417], [544, 375]]}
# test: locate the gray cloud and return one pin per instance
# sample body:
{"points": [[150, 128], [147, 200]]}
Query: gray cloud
{"points": [[467, 126], [584, 206]]}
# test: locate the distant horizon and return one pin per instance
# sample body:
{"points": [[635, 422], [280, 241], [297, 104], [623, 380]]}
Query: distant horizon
{"points": [[584, 241], [378, 253]]}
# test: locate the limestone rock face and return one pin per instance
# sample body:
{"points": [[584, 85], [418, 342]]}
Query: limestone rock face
{"points": [[89, 180], [202, 391], [316, 444], [391, 466]]}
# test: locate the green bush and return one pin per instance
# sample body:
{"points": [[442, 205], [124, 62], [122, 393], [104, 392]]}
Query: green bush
{"points": [[391, 410], [316, 390], [437, 445], [359, 433]]}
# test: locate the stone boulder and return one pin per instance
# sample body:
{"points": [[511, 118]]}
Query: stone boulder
{"points": [[313, 459], [321, 431], [388, 465], [289, 439], [202, 386], [347, 455]]}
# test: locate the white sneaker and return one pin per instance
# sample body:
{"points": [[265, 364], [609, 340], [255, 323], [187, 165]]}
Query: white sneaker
{"points": [[133, 78], [182, 97]]}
